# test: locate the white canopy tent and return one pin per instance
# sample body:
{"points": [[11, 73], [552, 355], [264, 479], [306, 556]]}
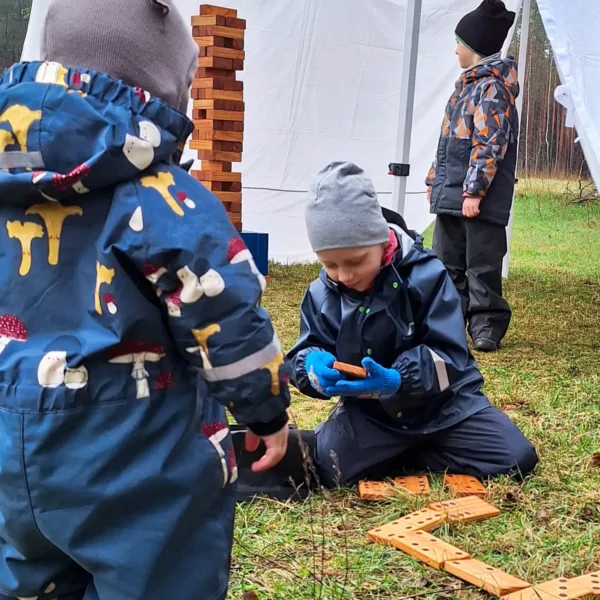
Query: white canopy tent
{"points": [[334, 79]]}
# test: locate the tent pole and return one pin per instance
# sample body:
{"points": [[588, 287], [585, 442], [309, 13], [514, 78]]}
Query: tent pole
{"points": [[523, 47], [412, 30]]}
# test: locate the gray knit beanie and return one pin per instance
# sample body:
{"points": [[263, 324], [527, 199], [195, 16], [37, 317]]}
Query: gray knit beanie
{"points": [[343, 210], [144, 43]]}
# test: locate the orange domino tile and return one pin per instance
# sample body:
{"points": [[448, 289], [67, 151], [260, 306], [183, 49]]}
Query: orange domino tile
{"points": [[484, 576], [423, 520], [470, 508], [427, 548], [414, 484], [465, 485], [587, 586], [375, 491]]}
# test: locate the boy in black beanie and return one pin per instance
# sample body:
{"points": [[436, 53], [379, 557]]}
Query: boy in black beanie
{"points": [[471, 183]]}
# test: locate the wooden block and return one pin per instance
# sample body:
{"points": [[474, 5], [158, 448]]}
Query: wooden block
{"points": [[212, 94], [239, 106], [235, 23], [237, 44], [215, 62], [560, 589], [207, 41], [221, 115], [223, 136], [422, 520], [216, 176], [216, 165], [465, 485], [375, 491], [464, 510], [237, 65], [220, 156], [427, 548], [206, 125], [210, 73], [217, 31], [225, 53], [230, 197], [415, 484], [216, 83], [203, 144], [350, 370], [484, 576], [210, 9], [232, 186], [204, 20], [227, 105]]}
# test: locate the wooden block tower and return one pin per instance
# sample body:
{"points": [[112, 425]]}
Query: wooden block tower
{"points": [[219, 104]]}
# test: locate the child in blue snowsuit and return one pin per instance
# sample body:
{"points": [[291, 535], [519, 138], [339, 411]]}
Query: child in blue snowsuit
{"points": [[385, 302], [129, 319]]}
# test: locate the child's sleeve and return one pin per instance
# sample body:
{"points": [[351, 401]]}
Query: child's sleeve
{"points": [[315, 335], [182, 241], [441, 353], [492, 132], [430, 180]]}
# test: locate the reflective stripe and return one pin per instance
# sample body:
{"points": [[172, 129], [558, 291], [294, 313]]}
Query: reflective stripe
{"points": [[21, 160], [441, 370], [247, 365]]}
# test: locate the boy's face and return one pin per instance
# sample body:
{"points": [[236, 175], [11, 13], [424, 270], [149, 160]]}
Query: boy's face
{"points": [[466, 57], [356, 268]]}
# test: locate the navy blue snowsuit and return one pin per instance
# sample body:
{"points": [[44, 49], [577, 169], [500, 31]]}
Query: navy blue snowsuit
{"points": [[129, 319], [440, 419]]}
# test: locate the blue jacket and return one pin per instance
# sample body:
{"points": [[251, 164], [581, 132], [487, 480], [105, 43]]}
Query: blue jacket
{"points": [[410, 321], [121, 275]]}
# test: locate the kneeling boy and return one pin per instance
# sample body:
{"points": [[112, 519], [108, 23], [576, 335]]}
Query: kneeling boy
{"points": [[386, 302]]}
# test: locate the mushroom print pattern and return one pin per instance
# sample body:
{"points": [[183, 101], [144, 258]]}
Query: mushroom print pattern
{"points": [[237, 252], [191, 289], [202, 336], [54, 214], [25, 233], [11, 330], [138, 353], [104, 276], [139, 151], [161, 183], [215, 433], [110, 302]]}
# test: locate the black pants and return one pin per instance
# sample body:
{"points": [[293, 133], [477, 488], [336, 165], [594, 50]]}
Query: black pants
{"points": [[484, 445], [472, 251]]}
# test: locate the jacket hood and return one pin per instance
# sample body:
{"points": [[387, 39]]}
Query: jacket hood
{"points": [[65, 132], [502, 69]]}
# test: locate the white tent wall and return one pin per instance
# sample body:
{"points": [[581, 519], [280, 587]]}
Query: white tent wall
{"points": [[573, 29], [322, 82]]}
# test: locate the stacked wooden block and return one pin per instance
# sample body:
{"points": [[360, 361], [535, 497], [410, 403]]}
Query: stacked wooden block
{"points": [[219, 104]]}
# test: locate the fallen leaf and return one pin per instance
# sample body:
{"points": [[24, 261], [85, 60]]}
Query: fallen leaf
{"points": [[249, 596], [596, 458]]}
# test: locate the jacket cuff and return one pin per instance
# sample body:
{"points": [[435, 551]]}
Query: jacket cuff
{"points": [[300, 378], [265, 429]]}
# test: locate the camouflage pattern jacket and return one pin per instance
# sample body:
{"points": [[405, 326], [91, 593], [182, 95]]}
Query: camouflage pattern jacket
{"points": [[477, 151]]}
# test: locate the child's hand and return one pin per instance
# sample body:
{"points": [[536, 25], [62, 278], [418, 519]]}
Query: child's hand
{"points": [[429, 189], [470, 206], [276, 448], [379, 382], [320, 372]]}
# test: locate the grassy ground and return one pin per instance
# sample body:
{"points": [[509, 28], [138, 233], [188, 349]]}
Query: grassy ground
{"points": [[547, 378]]}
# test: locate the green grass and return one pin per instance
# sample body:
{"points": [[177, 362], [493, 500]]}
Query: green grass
{"points": [[547, 378]]}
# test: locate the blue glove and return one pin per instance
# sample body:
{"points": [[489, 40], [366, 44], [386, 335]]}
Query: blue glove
{"points": [[379, 382], [320, 374]]}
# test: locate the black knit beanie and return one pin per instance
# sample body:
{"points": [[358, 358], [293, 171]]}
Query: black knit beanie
{"points": [[485, 29]]}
